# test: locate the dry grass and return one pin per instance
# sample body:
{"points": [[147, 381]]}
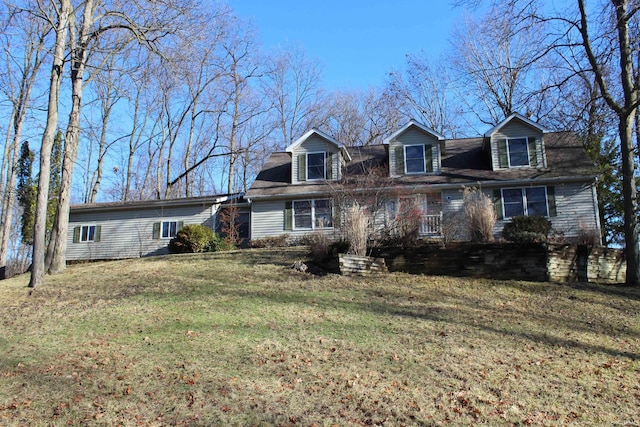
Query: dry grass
{"points": [[239, 339]]}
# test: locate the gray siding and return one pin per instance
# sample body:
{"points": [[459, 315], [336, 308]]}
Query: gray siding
{"points": [[517, 129], [314, 144], [267, 219], [129, 233], [413, 136], [575, 207]]}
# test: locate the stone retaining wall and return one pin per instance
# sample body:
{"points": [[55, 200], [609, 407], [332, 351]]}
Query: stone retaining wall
{"points": [[534, 262], [353, 265]]}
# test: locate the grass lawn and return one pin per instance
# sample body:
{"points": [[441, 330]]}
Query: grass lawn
{"points": [[240, 339]]}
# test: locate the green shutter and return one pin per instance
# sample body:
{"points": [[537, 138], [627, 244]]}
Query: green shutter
{"points": [[497, 204], [533, 153], [302, 167], [76, 234], [156, 230], [551, 201], [329, 165], [503, 161], [288, 215], [96, 238], [179, 225], [428, 158], [399, 150]]}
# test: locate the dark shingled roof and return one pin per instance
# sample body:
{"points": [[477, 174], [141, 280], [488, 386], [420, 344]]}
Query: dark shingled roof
{"points": [[463, 163]]}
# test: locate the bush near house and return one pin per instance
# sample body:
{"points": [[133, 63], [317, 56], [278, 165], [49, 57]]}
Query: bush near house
{"points": [[191, 239], [527, 229], [196, 238]]}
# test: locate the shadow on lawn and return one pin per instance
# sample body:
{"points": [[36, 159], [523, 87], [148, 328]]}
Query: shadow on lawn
{"points": [[464, 314]]}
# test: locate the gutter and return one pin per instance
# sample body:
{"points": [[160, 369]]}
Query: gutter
{"points": [[150, 204], [483, 184]]}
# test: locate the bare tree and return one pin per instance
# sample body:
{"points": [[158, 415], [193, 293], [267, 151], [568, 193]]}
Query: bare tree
{"points": [[423, 92], [23, 46], [106, 86], [360, 117], [494, 65], [58, 17], [293, 86]]}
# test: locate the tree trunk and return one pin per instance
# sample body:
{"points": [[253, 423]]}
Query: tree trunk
{"points": [[630, 197], [39, 235], [9, 195], [58, 247]]}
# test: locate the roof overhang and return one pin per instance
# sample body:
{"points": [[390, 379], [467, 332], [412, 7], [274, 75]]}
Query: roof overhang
{"points": [[413, 123], [515, 116], [322, 135], [151, 204]]}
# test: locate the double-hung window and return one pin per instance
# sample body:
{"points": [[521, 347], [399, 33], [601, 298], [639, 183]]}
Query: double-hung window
{"points": [[414, 159], [525, 201], [169, 229], [316, 163], [518, 152], [312, 214], [88, 233]]}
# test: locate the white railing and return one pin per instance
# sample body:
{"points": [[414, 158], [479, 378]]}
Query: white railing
{"points": [[431, 225]]}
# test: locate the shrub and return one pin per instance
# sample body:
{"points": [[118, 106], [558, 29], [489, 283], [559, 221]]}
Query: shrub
{"points": [[219, 243], [527, 229], [191, 238], [271, 242], [588, 236], [404, 230], [480, 215], [355, 229], [319, 245], [453, 227]]}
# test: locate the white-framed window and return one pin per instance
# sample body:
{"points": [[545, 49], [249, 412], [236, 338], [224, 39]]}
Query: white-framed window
{"points": [[525, 201], [88, 233], [312, 214], [414, 159], [517, 152], [168, 229], [316, 166]]}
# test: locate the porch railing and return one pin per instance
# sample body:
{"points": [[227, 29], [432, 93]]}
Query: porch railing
{"points": [[431, 225]]}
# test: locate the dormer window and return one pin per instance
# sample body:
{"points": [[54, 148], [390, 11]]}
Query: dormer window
{"points": [[414, 159], [518, 152], [316, 163]]}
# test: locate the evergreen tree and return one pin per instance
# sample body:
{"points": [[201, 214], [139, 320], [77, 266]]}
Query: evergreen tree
{"points": [[27, 191], [54, 183]]}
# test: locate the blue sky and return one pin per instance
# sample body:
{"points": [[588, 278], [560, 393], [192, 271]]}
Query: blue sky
{"points": [[356, 42]]}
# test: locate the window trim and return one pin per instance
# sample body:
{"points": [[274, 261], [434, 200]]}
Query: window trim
{"points": [[162, 223], [324, 165], [526, 146], [525, 204], [88, 227], [424, 160], [313, 214]]}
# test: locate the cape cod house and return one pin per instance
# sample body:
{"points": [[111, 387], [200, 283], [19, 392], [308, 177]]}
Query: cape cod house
{"points": [[525, 169]]}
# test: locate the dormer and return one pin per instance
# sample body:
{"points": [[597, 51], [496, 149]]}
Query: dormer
{"points": [[516, 142], [414, 149], [316, 156]]}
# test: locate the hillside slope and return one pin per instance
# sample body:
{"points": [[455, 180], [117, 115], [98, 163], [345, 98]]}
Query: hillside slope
{"points": [[241, 339]]}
